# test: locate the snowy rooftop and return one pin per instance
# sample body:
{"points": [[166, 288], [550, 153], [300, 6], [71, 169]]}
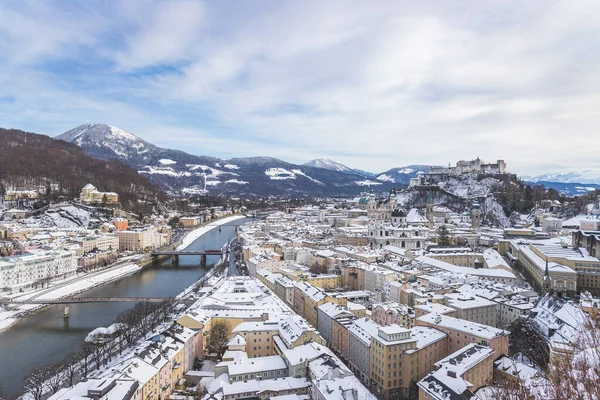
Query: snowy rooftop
{"points": [[447, 381], [461, 325]]}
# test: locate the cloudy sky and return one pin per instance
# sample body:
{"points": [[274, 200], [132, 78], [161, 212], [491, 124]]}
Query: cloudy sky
{"points": [[374, 85]]}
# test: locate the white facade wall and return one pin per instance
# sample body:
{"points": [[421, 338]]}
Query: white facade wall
{"points": [[23, 271]]}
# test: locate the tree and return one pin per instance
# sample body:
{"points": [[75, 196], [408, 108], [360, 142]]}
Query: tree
{"points": [[443, 236], [71, 365], [524, 338], [575, 375], [218, 337], [35, 383], [174, 222], [317, 268], [55, 375]]}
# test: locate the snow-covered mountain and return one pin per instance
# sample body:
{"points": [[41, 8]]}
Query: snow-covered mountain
{"points": [[184, 173], [326, 163], [586, 176], [402, 175], [107, 141]]}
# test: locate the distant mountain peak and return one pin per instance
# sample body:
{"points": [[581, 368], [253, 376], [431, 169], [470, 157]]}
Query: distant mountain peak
{"points": [[402, 175], [326, 163], [588, 176], [107, 141]]}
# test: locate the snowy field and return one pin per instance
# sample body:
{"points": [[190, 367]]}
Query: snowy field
{"points": [[195, 234]]}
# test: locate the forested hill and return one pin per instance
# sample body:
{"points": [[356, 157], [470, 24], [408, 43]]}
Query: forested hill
{"points": [[32, 161]]}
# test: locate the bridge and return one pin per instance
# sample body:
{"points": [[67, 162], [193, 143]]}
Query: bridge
{"points": [[176, 253], [78, 300]]}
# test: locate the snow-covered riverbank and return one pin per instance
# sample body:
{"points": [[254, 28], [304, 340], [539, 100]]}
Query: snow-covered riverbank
{"points": [[196, 233], [73, 287]]}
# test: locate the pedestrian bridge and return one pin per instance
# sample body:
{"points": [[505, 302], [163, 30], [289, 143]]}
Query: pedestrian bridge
{"points": [[76, 300], [187, 253], [79, 300]]}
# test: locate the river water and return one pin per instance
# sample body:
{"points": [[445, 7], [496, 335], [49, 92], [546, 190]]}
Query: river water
{"points": [[47, 338]]}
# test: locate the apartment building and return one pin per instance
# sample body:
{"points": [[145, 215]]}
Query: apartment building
{"points": [[98, 242], [400, 357], [284, 289], [375, 278], [359, 344], [141, 239], [462, 333], [328, 312], [340, 336], [258, 337], [393, 313], [459, 375], [473, 308], [27, 270]]}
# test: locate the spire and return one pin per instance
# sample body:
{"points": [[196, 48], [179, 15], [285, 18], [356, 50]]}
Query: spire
{"points": [[547, 282]]}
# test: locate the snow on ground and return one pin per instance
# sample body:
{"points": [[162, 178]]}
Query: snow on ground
{"points": [[166, 161], [194, 190], [64, 217], [299, 172], [195, 234], [163, 171], [88, 283], [405, 171], [367, 183], [276, 174], [78, 285], [467, 186], [385, 178], [236, 182], [206, 170], [231, 166], [212, 183]]}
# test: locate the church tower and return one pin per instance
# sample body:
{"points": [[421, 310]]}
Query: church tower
{"points": [[547, 281], [429, 210], [475, 216]]}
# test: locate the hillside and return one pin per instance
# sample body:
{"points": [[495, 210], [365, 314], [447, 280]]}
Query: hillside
{"points": [[402, 175], [61, 169], [187, 174]]}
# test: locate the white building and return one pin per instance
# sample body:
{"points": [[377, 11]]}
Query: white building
{"points": [[28, 269], [409, 237]]}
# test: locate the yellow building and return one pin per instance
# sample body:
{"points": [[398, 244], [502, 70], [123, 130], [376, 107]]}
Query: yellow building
{"points": [[400, 357], [91, 195]]}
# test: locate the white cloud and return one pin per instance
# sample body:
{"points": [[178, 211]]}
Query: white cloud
{"points": [[374, 85]]}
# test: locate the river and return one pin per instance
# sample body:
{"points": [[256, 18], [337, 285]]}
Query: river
{"points": [[47, 338]]}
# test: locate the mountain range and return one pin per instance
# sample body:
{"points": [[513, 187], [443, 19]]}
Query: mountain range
{"points": [[583, 177], [184, 173]]}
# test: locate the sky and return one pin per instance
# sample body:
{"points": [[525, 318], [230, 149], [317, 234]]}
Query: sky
{"points": [[374, 85]]}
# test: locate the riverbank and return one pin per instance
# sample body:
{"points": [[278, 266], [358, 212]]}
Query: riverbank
{"points": [[192, 236], [91, 280], [73, 287]]}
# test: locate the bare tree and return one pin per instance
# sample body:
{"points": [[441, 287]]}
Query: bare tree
{"points": [[71, 365], [218, 337], [55, 377], [35, 383], [85, 354], [524, 338], [575, 374]]}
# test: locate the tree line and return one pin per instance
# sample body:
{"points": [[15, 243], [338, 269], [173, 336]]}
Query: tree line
{"points": [[98, 350]]}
